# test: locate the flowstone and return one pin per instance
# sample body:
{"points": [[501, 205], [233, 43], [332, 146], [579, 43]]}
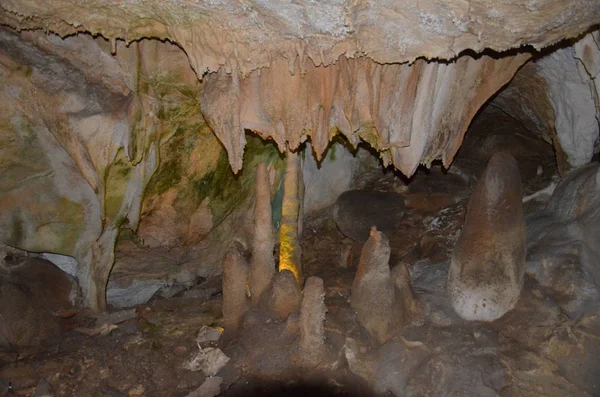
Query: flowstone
{"points": [[488, 263]]}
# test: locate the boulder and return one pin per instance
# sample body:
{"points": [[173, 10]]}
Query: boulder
{"points": [[355, 211]]}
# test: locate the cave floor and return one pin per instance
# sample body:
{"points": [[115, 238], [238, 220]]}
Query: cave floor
{"points": [[534, 350]]}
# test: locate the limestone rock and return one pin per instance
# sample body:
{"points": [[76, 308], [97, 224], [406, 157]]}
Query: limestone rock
{"points": [[409, 308], [44, 389], [487, 266], [564, 242], [355, 211], [373, 292], [284, 295], [235, 278], [577, 195], [209, 361], [290, 230], [210, 388], [25, 320], [319, 31], [312, 317], [262, 266], [52, 287], [361, 99]]}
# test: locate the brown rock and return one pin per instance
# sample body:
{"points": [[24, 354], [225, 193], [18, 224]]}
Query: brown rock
{"points": [[487, 266], [25, 322], [312, 317], [262, 266], [373, 292], [284, 296], [235, 277]]}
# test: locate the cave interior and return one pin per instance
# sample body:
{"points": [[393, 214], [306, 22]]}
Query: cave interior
{"points": [[288, 198]]}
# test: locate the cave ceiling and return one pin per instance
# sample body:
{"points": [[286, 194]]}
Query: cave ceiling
{"points": [[247, 35], [384, 72]]}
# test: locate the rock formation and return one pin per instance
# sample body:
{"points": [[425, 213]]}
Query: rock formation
{"points": [[373, 292], [564, 242], [408, 112], [31, 294], [410, 309], [95, 91], [254, 34], [312, 317], [262, 266], [284, 295], [290, 252], [487, 266], [355, 211], [235, 288]]}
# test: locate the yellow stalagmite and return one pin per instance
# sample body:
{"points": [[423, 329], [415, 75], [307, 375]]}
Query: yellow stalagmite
{"points": [[290, 255]]}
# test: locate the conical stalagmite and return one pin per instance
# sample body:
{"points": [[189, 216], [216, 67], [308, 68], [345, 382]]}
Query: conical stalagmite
{"points": [[263, 264], [235, 277], [409, 308], [373, 291], [290, 255], [312, 317], [284, 295], [487, 266]]}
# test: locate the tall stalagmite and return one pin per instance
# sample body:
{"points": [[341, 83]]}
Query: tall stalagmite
{"points": [[373, 292], [235, 277], [290, 254], [263, 264], [488, 263], [312, 316]]}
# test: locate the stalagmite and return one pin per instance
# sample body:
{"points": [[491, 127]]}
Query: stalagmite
{"points": [[312, 316], [235, 276], [373, 292], [487, 266], [409, 307], [284, 296], [263, 264], [290, 255]]}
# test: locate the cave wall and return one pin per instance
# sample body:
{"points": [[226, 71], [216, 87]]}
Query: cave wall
{"points": [[556, 97], [100, 138]]}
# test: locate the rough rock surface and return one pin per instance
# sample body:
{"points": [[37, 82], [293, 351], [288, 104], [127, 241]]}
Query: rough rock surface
{"points": [[284, 295], [406, 111], [356, 211], [487, 267], [373, 291], [312, 315], [254, 33], [563, 242], [31, 293], [262, 265], [556, 97], [235, 278]]}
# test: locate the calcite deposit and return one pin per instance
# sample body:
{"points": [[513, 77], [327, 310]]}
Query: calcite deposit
{"points": [[487, 269]]}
